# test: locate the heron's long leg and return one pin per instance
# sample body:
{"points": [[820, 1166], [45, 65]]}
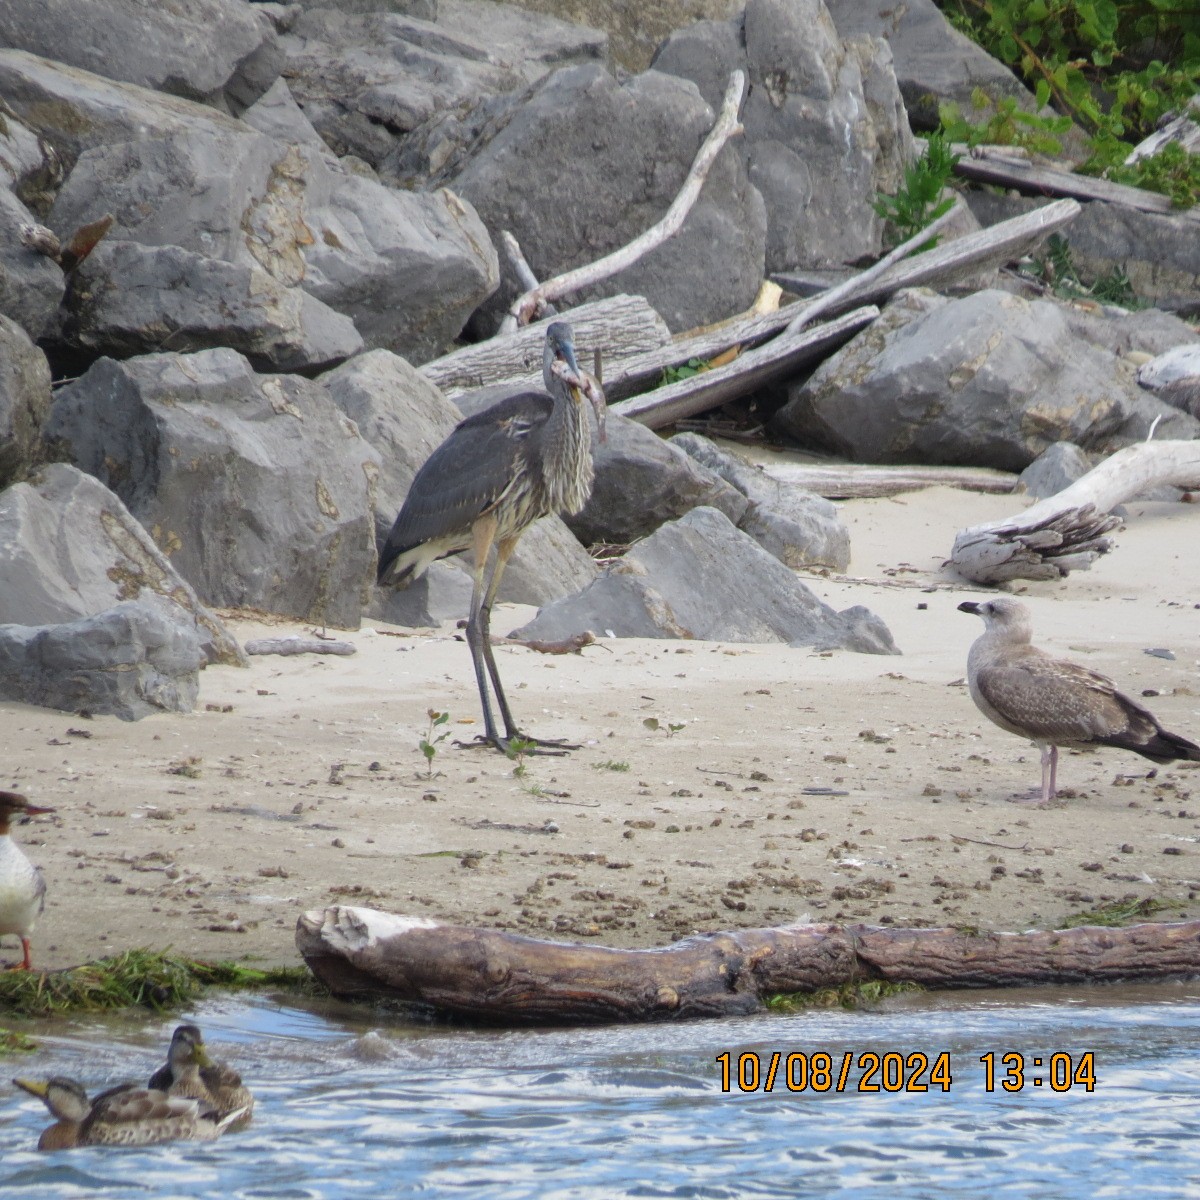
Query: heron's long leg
{"points": [[504, 549], [483, 533]]}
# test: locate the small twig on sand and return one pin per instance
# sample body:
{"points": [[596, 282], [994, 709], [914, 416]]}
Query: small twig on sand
{"points": [[529, 305]]}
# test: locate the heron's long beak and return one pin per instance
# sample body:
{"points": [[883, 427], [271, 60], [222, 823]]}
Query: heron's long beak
{"points": [[35, 1087]]}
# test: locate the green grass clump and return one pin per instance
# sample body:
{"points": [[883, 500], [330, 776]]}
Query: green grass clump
{"points": [[135, 979], [1118, 912], [849, 995]]}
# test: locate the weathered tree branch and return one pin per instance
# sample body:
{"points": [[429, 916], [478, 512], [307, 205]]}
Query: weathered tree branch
{"points": [[490, 975], [853, 481], [526, 306], [1065, 532], [829, 300], [778, 357], [998, 166]]}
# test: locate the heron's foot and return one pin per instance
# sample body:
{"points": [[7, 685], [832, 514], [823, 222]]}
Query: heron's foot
{"points": [[556, 748]]}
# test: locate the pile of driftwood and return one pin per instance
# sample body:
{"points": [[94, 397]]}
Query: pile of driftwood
{"points": [[490, 975], [1054, 537]]}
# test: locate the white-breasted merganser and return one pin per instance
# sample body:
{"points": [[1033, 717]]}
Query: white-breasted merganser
{"points": [[22, 888]]}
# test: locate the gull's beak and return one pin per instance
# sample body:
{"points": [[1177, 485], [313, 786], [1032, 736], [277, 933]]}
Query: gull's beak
{"points": [[969, 606], [35, 1087]]}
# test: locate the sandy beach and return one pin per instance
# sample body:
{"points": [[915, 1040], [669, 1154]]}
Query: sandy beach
{"points": [[777, 782]]}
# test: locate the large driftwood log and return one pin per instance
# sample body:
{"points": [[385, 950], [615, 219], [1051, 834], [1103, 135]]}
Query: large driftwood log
{"points": [[621, 326], [1065, 532], [1000, 166], [489, 975], [1000, 243], [854, 481], [527, 306], [772, 360]]}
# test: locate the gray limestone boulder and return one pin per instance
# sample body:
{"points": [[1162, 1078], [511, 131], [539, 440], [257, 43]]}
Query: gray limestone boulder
{"points": [[798, 527], [934, 63], [989, 380], [1177, 363], [69, 549], [218, 52], [134, 659], [24, 402], [825, 127], [1054, 469], [586, 164], [370, 79], [642, 481], [407, 268], [257, 486], [129, 299], [701, 577], [405, 417], [31, 285]]}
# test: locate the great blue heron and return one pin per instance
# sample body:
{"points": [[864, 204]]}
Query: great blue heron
{"points": [[1055, 702], [525, 457]]}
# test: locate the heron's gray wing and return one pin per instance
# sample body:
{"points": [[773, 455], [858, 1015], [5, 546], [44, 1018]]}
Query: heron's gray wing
{"points": [[468, 472], [1053, 700]]}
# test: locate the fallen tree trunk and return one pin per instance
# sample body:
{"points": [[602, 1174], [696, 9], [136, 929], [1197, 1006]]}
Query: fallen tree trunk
{"points": [[854, 481], [490, 975], [622, 326], [1065, 532]]}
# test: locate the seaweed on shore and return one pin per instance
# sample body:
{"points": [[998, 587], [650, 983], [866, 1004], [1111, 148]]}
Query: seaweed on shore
{"points": [[137, 978]]}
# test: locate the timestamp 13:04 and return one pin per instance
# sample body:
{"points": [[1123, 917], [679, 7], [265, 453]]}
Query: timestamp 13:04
{"points": [[893, 1071]]}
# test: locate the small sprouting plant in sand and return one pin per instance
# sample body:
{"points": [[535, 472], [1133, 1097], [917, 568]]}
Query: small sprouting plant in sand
{"points": [[429, 743], [672, 727], [188, 767], [610, 765], [517, 750]]}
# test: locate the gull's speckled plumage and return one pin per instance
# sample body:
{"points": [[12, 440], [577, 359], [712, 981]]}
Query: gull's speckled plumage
{"points": [[1055, 702]]}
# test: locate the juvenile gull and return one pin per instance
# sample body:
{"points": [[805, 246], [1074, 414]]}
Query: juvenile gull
{"points": [[1054, 702]]}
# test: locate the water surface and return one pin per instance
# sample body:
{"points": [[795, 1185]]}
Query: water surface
{"points": [[354, 1102]]}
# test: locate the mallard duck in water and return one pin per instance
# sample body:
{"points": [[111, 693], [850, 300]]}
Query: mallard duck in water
{"points": [[22, 888], [189, 1072], [122, 1116]]}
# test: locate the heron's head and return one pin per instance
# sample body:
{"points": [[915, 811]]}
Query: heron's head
{"points": [[1003, 615], [65, 1098], [559, 365], [187, 1048]]}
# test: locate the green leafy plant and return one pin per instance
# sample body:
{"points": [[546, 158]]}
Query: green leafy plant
{"points": [[1058, 271], [1007, 125], [516, 750], [693, 366], [920, 198], [672, 728], [1114, 67], [429, 743]]}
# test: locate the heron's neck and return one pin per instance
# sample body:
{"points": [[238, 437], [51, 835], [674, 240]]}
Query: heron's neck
{"points": [[567, 466]]}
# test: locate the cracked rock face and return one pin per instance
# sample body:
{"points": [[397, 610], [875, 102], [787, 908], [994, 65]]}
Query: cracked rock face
{"points": [[70, 549], [990, 380], [256, 486]]}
